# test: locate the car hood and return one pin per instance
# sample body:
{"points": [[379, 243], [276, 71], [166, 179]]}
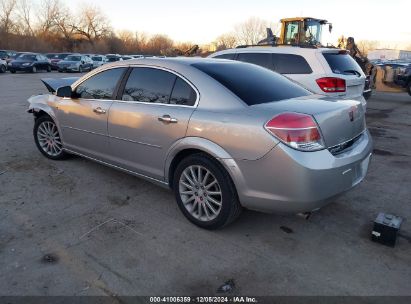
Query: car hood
{"points": [[52, 84]]}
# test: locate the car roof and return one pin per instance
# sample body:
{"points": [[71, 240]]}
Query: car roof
{"points": [[276, 50]]}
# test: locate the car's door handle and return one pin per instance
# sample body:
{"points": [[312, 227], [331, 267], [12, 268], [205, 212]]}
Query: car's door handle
{"points": [[167, 119], [99, 110]]}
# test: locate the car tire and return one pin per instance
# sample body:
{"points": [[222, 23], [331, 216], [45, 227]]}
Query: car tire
{"points": [[47, 138], [48, 69], [33, 69], [13, 71], [80, 69], [3, 69], [409, 88], [205, 193]]}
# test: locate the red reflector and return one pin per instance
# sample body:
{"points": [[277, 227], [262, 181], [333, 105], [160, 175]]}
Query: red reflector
{"points": [[331, 84], [297, 130]]}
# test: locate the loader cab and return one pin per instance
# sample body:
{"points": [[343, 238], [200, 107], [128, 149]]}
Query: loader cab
{"points": [[303, 31]]}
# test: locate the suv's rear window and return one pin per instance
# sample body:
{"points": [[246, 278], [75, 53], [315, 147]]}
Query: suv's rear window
{"points": [[251, 83], [342, 63]]}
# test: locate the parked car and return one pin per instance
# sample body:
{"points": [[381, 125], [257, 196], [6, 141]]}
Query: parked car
{"points": [[113, 57], [7, 55], [3, 66], [98, 60], [403, 77], [222, 134], [55, 58], [325, 71], [137, 56], [127, 57], [30, 62], [75, 63]]}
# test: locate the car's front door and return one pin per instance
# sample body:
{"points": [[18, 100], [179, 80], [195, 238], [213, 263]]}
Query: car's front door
{"points": [[153, 113], [83, 118]]}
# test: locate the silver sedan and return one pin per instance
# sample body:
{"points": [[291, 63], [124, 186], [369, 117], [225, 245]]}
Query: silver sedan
{"points": [[222, 134]]}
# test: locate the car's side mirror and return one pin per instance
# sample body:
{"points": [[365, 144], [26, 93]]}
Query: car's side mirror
{"points": [[64, 92]]}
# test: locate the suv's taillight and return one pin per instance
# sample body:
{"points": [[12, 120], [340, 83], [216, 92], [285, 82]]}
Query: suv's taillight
{"points": [[331, 84], [297, 130]]}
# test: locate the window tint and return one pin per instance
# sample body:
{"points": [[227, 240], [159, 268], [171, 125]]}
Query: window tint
{"points": [[149, 85], [225, 56], [251, 83], [342, 63], [183, 93], [100, 86], [290, 64], [261, 59]]}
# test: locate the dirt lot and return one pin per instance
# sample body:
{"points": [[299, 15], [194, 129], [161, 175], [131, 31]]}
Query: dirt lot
{"points": [[79, 228]]}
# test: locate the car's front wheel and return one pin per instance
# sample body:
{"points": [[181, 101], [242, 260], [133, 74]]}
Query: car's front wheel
{"points": [[47, 138], [3, 69], [34, 69], [48, 68], [205, 192], [409, 88]]}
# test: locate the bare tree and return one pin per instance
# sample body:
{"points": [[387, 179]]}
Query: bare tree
{"points": [[92, 24], [159, 44], [226, 41], [24, 12], [47, 15], [251, 31], [7, 9]]}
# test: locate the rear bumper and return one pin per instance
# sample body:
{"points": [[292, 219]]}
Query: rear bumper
{"points": [[289, 181]]}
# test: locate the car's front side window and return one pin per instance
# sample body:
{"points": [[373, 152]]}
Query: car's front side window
{"points": [[101, 85], [149, 85]]}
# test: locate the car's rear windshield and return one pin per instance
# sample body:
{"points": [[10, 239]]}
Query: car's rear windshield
{"points": [[251, 83], [96, 58], [342, 63]]}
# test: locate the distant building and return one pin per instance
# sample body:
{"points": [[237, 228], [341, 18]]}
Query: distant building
{"points": [[389, 54]]}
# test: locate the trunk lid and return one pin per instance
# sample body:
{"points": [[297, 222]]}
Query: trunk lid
{"points": [[339, 120]]}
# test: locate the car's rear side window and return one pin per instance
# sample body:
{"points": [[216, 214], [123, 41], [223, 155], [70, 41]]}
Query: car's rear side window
{"points": [[290, 64], [342, 63], [149, 85], [183, 93], [251, 83], [225, 56]]}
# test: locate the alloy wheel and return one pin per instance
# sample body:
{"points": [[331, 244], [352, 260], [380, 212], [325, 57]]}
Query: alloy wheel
{"points": [[49, 138], [200, 193]]}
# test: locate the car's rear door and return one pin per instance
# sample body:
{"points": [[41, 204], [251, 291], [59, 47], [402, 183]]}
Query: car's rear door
{"points": [[83, 118], [152, 113]]}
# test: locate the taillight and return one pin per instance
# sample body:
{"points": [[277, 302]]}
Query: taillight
{"points": [[297, 130], [331, 84]]}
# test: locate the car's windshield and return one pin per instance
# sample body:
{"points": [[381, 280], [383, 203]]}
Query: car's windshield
{"points": [[49, 56], [62, 56], [112, 59], [251, 83], [73, 58], [26, 57], [96, 58]]}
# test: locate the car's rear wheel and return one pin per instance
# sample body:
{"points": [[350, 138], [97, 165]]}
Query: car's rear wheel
{"points": [[409, 88], [48, 68], [205, 192], [34, 69], [47, 138]]}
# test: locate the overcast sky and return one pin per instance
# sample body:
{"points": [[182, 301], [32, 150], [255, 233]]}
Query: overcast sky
{"points": [[202, 21]]}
